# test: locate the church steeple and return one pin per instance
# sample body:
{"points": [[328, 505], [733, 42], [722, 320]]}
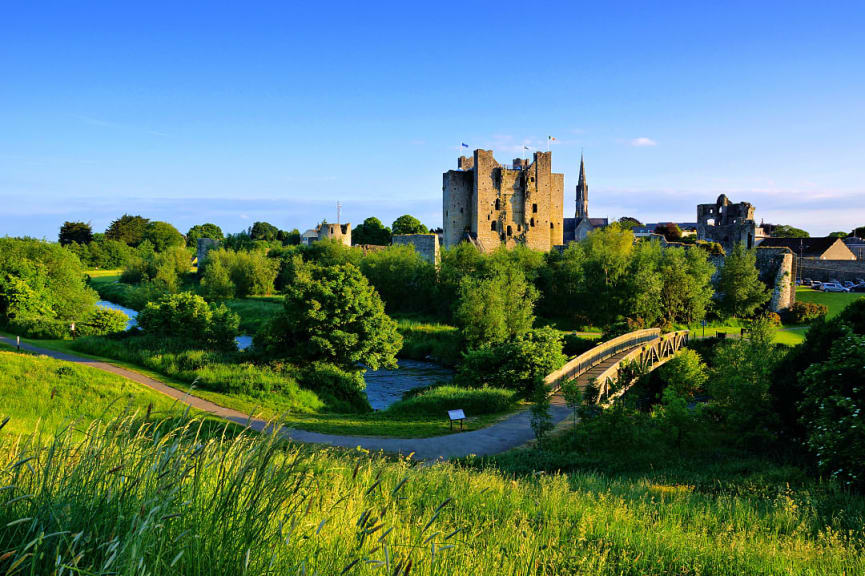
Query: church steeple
{"points": [[582, 192]]}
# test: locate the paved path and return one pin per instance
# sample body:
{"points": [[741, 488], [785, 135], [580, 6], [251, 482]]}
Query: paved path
{"points": [[509, 433]]}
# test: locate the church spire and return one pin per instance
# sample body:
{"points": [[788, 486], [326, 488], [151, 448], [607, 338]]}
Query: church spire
{"points": [[582, 192]]}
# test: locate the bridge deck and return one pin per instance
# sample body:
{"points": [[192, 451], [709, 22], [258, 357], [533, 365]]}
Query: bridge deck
{"points": [[594, 372]]}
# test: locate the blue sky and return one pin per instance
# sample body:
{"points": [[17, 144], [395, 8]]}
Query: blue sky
{"points": [[236, 112]]}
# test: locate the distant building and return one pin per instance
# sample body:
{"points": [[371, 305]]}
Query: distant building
{"points": [[578, 227], [340, 232], [856, 246], [828, 248]]}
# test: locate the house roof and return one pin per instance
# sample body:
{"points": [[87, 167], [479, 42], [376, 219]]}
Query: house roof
{"points": [[807, 247], [569, 225]]}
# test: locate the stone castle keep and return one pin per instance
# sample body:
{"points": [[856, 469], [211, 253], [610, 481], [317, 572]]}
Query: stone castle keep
{"points": [[492, 204]]}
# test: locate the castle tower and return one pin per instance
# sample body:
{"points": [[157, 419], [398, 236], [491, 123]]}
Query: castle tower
{"points": [[582, 193]]}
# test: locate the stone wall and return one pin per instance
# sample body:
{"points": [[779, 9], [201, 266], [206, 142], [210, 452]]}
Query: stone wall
{"points": [[427, 245], [341, 232], [824, 270], [777, 267]]}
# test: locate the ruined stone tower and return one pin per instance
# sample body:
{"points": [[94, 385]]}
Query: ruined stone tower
{"points": [[727, 224], [492, 204]]}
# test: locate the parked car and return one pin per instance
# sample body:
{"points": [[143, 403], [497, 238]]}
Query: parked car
{"points": [[807, 282], [834, 287], [858, 288], [860, 281], [817, 285], [849, 284]]}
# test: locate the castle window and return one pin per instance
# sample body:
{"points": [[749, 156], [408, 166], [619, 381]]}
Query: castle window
{"points": [[498, 205], [510, 231], [493, 226], [519, 227], [534, 208], [551, 225], [532, 222], [461, 210], [532, 179]]}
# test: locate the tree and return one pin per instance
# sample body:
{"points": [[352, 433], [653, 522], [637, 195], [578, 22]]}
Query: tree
{"points": [[372, 231], [785, 231], [686, 373], [739, 384], [289, 238], [541, 421], [407, 224], [216, 281], [77, 232], [189, 317], [127, 229], [198, 231], [628, 222], [670, 231], [163, 236], [42, 279], [250, 273], [739, 285], [333, 314], [263, 231], [405, 281], [838, 235], [860, 232], [573, 396], [496, 308]]}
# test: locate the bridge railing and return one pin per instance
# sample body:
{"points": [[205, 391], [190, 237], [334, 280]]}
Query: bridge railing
{"points": [[591, 358], [677, 339]]}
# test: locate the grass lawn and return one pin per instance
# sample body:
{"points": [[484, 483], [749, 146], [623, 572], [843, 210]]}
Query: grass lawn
{"points": [[37, 392], [275, 406], [835, 301]]}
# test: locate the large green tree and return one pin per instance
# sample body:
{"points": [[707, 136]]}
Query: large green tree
{"points": [[371, 231], [333, 314], [198, 231], [77, 232], [739, 285], [408, 224], [263, 231], [127, 229], [163, 236], [42, 279], [496, 308]]}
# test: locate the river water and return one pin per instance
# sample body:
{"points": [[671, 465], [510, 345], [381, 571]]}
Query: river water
{"points": [[383, 387]]}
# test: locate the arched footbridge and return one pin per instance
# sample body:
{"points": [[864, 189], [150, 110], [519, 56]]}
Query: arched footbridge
{"points": [[639, 352]]}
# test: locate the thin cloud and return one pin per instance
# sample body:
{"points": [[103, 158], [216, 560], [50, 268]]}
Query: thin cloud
{"points": [[643, 142]]}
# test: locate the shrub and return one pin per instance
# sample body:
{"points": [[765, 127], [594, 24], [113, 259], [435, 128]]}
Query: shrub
{"points": [[405, 281], [436, 401], [103, 321], [250, 273], [40, 327], [345, 386], [189, 316], [685, 373], [806, 312], [773, 318], [520, 364], [831, 408]]}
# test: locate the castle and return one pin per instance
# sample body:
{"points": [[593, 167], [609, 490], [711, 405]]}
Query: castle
{"points": [[490, 204], [728, 224]]}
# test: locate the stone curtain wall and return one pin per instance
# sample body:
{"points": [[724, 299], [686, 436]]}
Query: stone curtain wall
{"points": [[427, 245], [825, 270]]}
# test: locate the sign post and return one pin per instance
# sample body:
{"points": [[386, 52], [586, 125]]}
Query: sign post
{"points": [[455, 415]]}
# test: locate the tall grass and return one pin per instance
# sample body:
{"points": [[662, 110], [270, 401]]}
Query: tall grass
{"points": [[429, 341], [437, 400], [168, 499]]}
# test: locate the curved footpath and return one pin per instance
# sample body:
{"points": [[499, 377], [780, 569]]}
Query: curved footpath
{"points": [[509, 433]]}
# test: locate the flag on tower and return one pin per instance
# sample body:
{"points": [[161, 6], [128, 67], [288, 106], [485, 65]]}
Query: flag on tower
{"points": [[551, 138], [464, 145]]}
